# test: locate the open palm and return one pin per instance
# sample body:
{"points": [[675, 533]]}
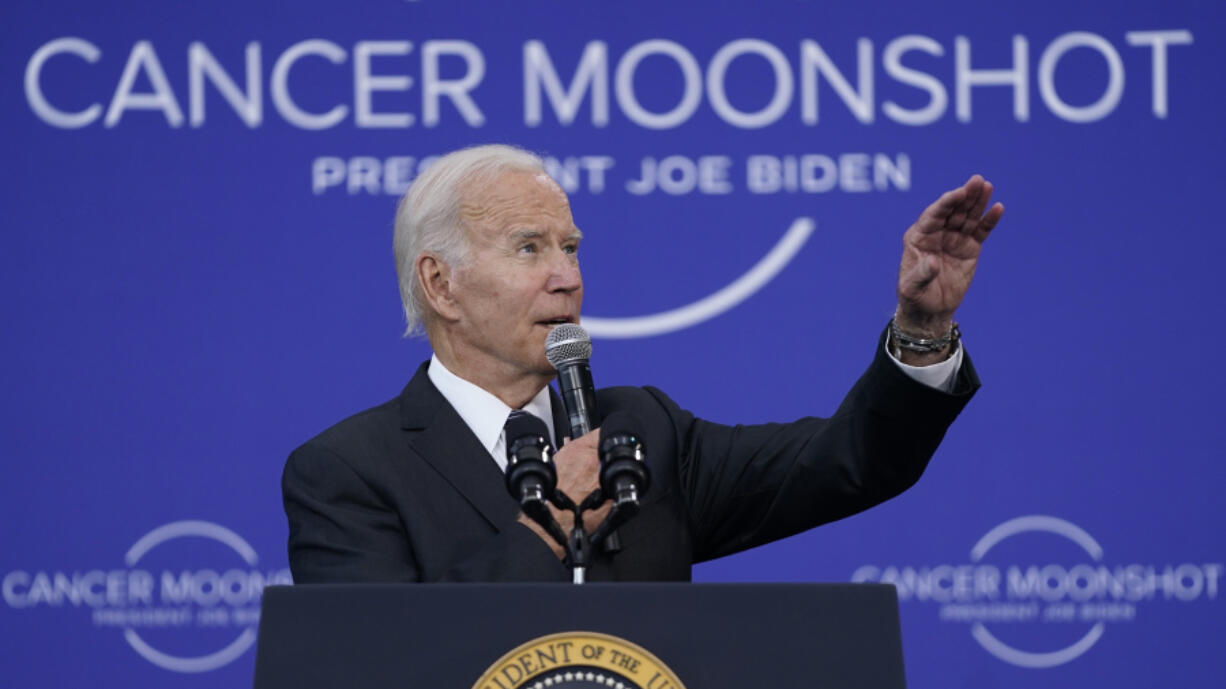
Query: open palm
{"points": [[940, 253]]}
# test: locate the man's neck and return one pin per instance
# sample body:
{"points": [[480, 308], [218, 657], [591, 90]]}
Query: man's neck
{"points": [[513, 388]]}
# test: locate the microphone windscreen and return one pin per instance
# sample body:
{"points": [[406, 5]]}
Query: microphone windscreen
{"points": [[620, 424], [567, 343], [522, 424]]}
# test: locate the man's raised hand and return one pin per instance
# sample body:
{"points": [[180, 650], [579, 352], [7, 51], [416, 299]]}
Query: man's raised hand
{"points": [[940, 253]]}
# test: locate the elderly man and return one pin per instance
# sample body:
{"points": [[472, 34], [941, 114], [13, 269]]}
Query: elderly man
{"points": [[487, 256]]}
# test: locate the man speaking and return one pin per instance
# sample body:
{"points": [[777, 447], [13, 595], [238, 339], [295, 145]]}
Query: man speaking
{"points": [[487, 255]]}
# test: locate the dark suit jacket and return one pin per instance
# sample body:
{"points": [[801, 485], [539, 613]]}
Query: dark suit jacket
{"points": [[405, 492]]}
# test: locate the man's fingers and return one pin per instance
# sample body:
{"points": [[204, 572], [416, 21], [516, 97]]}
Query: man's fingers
{"points": [[943, 206], [965, 211], [589, 439], [958, 209], [577, 461], [989, 221], [981, 202], [954, 206]]}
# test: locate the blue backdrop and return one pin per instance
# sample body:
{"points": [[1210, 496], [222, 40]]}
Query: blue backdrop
{"points": [[197, 276]]}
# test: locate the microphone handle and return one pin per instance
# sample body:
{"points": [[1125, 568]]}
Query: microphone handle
{"points": [[578, 397]]}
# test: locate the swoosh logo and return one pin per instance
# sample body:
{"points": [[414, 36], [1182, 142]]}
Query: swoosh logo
{"points": [[715, 303]]}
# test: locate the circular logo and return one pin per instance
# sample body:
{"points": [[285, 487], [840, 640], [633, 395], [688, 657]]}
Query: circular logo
{"points": [[1026, 524], [187, 599], [578, 659], [1037, 582], [223, 587]]}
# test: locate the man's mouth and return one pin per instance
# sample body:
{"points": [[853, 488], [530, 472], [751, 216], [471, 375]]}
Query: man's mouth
{"points": [[559, 320]]}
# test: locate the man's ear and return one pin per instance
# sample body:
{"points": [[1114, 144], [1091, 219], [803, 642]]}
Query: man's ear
{"points": [[436, 278]]}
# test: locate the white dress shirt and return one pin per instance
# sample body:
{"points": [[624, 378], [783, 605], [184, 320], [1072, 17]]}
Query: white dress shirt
{"points": [[486, 415], [940, 375]]}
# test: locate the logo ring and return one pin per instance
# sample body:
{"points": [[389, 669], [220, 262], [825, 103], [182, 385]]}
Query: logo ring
{"points": [[168, 532]]}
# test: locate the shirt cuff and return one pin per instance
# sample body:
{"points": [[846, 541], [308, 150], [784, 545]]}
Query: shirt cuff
{"points": [[941, 375]]}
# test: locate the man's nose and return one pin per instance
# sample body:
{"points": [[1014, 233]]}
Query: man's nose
{"points": [[564, 276]]}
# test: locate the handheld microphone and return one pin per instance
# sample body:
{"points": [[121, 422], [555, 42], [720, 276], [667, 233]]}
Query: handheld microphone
{"points": [[624, 476], [568, 349]]}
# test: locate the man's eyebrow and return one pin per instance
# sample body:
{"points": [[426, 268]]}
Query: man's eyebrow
{"points": [[531, 233], [526, 233]]}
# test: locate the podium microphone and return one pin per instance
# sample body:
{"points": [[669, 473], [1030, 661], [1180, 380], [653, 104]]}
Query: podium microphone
{"points": [[624, 477], [532, 479], [531, 474]]}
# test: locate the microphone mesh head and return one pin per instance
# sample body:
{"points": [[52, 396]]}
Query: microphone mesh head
{"points": [[566, 343]]}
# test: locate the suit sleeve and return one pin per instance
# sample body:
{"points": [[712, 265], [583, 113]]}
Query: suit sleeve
{"points": [[343, 529], [749, 485]]}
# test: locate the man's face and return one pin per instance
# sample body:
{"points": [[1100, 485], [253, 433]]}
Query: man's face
{"points": [[523, 276]]}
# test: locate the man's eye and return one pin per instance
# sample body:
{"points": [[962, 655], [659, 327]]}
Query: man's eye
{"points": [[527, 249], [571, 248]]}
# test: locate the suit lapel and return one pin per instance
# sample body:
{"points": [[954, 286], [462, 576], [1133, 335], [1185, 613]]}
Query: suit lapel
{"points": [[441, 438]]}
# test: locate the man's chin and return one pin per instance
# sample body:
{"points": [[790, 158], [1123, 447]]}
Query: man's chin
{"points": [[545, 369]]}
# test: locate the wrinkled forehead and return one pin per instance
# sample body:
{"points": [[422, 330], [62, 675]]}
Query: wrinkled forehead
{"points": [[514, 198]]}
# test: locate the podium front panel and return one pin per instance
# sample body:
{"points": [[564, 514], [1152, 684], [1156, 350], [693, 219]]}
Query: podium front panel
{"points": [[654, 636]]}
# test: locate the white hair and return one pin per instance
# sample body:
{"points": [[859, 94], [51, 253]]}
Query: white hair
{"points": [[428, 217]]}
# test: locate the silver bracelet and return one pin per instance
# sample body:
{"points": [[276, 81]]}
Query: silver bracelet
{"points": [[922, 345]]}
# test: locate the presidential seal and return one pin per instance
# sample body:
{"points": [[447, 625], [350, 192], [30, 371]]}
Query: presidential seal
{"points": [[578, 660]]}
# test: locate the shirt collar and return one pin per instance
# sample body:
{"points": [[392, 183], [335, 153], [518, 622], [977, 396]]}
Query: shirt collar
{"points": [[481, 411]]}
